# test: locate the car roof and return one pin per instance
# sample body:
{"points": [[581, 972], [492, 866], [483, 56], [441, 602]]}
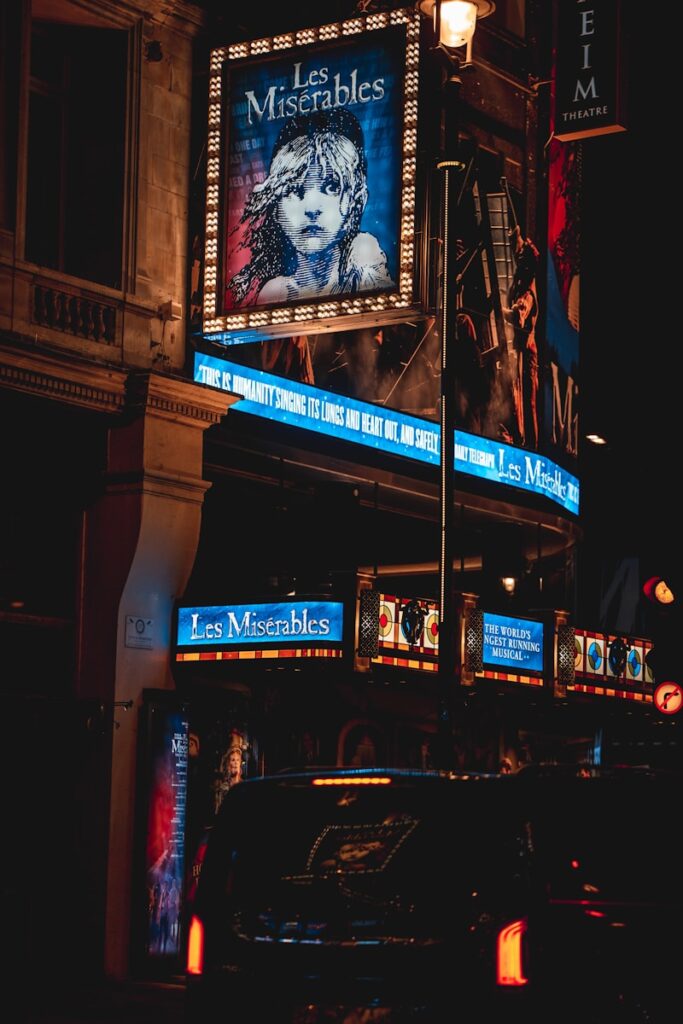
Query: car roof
{"points": [[296, 776]]}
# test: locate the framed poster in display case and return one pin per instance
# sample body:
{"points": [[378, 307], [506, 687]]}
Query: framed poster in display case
{"points": [[310, 212]]}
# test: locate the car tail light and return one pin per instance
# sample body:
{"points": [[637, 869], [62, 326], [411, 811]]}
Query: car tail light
{"points": [[195, 947], [509, 955]]}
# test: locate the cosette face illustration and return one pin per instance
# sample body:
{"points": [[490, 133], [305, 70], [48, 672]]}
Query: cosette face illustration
{"points": [[310, 213]]}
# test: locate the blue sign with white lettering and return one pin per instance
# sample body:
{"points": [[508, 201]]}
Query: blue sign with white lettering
{"points": [[296, 129], [513, 645], [283, 623], [382, 428]]}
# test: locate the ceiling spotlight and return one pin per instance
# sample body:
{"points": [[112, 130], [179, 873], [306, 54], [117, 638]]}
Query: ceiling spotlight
{"points": [[509, 583]]}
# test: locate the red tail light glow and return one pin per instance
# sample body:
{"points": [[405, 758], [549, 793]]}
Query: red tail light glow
{"points": [[195, 947], [353, 780], [509, 959]]}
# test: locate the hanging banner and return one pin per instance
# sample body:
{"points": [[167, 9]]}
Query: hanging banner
{"points": [[589, 70]]}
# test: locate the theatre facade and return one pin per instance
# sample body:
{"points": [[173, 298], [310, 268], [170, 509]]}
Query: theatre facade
{"points": [[220, 357]]}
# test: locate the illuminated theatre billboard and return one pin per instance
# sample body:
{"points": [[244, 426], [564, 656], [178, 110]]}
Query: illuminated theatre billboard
{"points": [[310, 179], [312, 308], [282, 629]]}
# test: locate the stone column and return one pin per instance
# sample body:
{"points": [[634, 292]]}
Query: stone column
{"points": [[139, 546]]}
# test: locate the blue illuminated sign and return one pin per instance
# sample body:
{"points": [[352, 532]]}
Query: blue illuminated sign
{"points": [[283, 623], [339, 112], [513, 645], [239, 337], [288, 114], [379, 427]]}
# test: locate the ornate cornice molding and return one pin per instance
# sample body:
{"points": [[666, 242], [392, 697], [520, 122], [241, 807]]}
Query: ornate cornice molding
{"points": [[100, 388], [107, 389], [178, 400]]}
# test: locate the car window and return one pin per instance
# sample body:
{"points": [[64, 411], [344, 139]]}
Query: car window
{"points": [[395, 860]]}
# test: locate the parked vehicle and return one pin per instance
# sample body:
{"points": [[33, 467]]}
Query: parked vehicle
{"points": [[322, 894], [549, 895]]}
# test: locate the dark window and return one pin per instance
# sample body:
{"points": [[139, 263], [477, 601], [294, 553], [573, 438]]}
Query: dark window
{"points": [[406, 857], [52, 476], [74, 207], [510, 15], [10, 35]]}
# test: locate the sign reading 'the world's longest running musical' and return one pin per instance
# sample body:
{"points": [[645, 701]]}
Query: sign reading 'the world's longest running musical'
{"points": [[514, 645]]}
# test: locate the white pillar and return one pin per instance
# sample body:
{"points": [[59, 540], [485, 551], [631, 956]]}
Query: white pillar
{"points": [[139, 546]]}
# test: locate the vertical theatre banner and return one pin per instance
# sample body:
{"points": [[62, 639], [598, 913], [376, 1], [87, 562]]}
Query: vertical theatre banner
{"points": [[310, 188], [589, 92], [563, 264]]}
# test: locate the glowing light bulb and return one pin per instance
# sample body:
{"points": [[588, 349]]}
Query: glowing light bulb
{"points": [[458, 22]]}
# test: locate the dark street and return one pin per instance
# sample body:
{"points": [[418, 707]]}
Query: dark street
{"points": [[148, 1003]]}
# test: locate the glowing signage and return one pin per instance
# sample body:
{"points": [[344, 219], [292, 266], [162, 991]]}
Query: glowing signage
{"points": [[166, 786], [311, 161], [668, 698], [379, 427], [513, 644], [504, 464], [298, 622], [595, 657]]}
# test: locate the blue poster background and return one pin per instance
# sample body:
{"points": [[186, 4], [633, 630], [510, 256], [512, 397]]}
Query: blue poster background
{"points": [[300, 622], [513, 645], [374, 58]]}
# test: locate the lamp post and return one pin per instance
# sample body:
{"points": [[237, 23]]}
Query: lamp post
{"points": [[454, 25]]}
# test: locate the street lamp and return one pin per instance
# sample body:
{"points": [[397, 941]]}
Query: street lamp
{"points": [[455, 21], [454, 26]]}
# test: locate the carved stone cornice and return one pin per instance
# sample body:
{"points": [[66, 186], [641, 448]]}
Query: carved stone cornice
{"points": [[88, 385], [146, 483], [108, 389], [179, 400]]}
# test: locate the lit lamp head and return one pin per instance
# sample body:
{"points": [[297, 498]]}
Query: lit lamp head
{"points": [[658, 591], [455, 21]]}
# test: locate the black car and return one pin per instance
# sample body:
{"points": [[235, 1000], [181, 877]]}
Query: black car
{"points": [[550, 895], [362, 895]]}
